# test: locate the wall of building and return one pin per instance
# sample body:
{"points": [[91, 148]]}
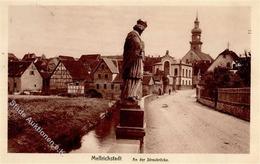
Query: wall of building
{"points": [[183, 74], [12, 81], [103, 82], [60, 78], [31, 79]]}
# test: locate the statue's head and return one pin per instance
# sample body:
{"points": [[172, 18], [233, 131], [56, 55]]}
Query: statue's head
{"points": [[140, 26]]}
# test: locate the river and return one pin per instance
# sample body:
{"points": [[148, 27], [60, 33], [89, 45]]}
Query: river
{"points": [[100, 139]]}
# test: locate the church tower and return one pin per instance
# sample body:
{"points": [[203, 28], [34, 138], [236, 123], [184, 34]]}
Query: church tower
{"points": [[195, 43]]}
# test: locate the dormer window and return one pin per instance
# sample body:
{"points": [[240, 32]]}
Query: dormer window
{"points": [[31, 72]]}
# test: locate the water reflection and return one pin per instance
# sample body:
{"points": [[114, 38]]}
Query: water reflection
{"points": [[100, 139]]}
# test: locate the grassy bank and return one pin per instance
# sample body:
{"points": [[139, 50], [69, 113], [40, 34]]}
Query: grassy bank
{"points": [[64, 120]]}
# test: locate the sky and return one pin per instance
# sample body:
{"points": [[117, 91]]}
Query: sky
{"points": [[78, 30]]}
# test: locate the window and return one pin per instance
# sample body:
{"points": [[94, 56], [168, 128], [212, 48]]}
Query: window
{"points": [[187, 60], [105, 86], [189, 73], [112, 86], [186, 73], [186, 82], [106, 76], [31, 72], [228, 65], [97, 86], [102, 67], [15, 85], [99, 76], [183, 72], [34, 85], [157, 70], [175, 72]]}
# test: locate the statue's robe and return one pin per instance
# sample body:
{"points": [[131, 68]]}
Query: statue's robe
{"points": [[132, 70]]}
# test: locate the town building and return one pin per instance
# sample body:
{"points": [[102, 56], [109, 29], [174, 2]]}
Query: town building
{"points": [[104, 75], [178, 73], [67, 72], [227, 59], [195, 56], [53, 62], [182, 75], [24, 76]]}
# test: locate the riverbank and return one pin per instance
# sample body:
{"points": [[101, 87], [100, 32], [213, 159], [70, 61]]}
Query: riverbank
{"points": [[64, 120]]}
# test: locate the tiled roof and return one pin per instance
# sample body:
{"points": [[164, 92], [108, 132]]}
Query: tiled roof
{"points": [[17, 68], [111, 65], [231, 53], [204, 56], [29, 56], [201, 55], [149, 62], [119, 78], [90, 58], [146, 79], [61, 57], [12, 57], [90, 61], [115, 57], [76, 69], [41, 66]]}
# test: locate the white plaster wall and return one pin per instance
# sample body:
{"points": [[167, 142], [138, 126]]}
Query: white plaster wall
{"points": [[31, 82]]}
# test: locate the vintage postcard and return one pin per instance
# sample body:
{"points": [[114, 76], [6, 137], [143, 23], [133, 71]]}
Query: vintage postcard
{"points": [[127, 82]]}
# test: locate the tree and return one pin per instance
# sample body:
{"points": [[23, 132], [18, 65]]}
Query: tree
{"points": [[244, 69]]}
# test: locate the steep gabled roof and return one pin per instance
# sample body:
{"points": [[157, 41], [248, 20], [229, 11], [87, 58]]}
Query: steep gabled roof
{"points": [[112, 65], [17, 68], [231, 53], [90, 61], [76, 69]]}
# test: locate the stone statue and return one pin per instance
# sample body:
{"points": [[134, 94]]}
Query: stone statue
{"points": [[133, 57]]}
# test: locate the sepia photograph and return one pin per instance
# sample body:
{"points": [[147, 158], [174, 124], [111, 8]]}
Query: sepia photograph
{"points": [[109, 80]]}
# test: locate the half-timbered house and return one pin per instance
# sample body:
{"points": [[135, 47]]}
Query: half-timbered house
{"points": [[66, 72]]}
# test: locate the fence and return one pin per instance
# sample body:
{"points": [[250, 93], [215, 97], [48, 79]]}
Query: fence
{"points": [[235, 96], [234, 101]]}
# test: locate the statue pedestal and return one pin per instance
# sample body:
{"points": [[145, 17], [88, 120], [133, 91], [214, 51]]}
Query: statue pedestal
{"points": [[131, 124]]}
